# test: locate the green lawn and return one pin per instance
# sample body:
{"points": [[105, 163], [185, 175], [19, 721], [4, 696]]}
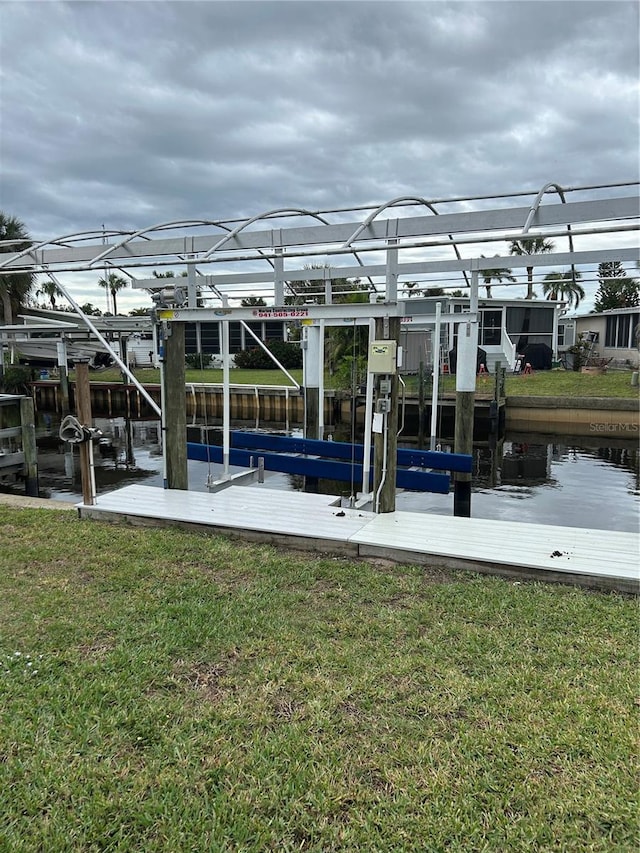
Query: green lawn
{"points": [[165, 691], [242, 377], [560, 383]]}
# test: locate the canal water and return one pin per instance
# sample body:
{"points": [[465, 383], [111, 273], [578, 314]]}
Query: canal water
{"points": [[581, 482]]}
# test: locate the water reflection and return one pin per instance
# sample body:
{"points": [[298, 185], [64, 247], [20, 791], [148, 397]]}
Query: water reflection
{"points": [[573, 481], [128, 451]]}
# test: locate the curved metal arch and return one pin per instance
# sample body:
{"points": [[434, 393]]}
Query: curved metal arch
{"points": [[41, 244], [534, 209], [429, 205], [267, 215], [176, 223]]}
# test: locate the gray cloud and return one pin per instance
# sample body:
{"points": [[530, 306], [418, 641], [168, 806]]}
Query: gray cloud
{"points": [[131, 113]]}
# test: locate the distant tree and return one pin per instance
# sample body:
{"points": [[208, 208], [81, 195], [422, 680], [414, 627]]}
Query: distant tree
{"points": [[51, 290], [90, 310], [113, 283], [169, 274], [564, 286], [340, 342], [303, 292], [531, 246], [457, 293], [497, 275], [616, 289], [139, 312], [14, 289], [253, 302], [413, 290]]}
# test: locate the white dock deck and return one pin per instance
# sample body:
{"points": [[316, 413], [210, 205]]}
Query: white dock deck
{"points": [[596, 558]]}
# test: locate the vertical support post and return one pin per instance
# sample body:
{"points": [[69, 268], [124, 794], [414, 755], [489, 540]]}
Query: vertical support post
{"points": [[192, 291], [321, 379], [226, 399], [198, 326], [174, 409], [310, 372], [278, 278], [83, 413], [436, 378], [386, 442], [124, 357], [61, 347], [29, 447], [421, 405], [368, 419], [154, 347], [554, 336], [466, 366], [392, 271]]}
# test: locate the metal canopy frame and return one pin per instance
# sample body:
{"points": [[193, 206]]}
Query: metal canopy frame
{"points": [[246, 242], [77, 252]]}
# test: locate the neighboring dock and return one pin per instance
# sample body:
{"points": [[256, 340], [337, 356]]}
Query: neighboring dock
{"points": [[599, 559]]}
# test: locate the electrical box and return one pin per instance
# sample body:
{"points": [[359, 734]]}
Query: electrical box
{"points": [[382, 357], [385, 386]]}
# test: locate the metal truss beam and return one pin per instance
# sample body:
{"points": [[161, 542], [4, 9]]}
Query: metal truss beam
{"points": [[379, 231], [552, 259], [343, 312]]}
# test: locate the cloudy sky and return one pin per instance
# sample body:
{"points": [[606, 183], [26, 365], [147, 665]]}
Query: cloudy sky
{"points": [[138, 112]]}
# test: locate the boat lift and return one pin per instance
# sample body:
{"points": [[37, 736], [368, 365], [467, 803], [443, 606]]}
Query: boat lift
{"points": [[398, 246]]}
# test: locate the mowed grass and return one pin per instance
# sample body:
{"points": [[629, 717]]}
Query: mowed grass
{"points": [[151, 376], [166, 691], [542, 383]]}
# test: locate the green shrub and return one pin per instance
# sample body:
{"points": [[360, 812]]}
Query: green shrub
{"points": [[197, 360], [343, 378], [288, 354], [16, 380]]}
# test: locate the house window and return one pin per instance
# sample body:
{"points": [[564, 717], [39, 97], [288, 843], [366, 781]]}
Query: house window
{"points": [[561, 328], [490, 328], [621, 330]]}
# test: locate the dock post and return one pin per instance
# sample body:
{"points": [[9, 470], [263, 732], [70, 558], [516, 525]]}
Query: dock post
{"points": [[421, 405], [174, 413], [311, 367], [385, 455], [29, 447], [61, 347], [466, 364], [83, 413]]}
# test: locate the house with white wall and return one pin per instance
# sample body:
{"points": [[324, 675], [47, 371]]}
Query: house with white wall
{"points": [[617, 334], [506, 327]]}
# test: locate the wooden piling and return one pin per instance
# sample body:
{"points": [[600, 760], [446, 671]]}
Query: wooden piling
{"points": [[29, 447], [64, 390], [175, 410], [386, 453], [83, 413]]}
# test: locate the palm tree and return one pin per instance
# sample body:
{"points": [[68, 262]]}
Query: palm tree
{"points": [[49, 289], [495, 275], [563, 285], [113, 284], [531, 246], [14, 289]]}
